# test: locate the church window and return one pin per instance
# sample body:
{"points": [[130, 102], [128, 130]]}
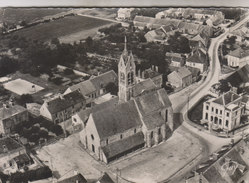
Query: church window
{"points": [[92, 136], [135, 130], [107, 142], [159, 131], [151, 134], [121, 136], [93, 148], [166, 116]]}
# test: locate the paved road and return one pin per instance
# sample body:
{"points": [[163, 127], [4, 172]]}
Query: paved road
{"points": [[210, 143]]}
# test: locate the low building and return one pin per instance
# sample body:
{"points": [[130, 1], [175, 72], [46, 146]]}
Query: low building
{"points": [[124, 13], [228, 166], [176, 59], [105, 178], [63, 107], [238, 57], [151, 73], [95, 86], [10, 116], [180, 78], [224, 112], [11, 155], [78, 178], [198, 59], [157, 35]]}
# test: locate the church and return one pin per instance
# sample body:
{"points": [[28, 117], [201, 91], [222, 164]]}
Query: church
{"points": [[140, 117]]}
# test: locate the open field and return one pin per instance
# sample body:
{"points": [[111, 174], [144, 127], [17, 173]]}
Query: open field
{"points": [[20, 86], [15, 15], [61, 27]]}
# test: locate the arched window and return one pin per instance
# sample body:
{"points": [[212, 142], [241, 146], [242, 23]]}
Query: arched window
{"points": [[121, 136], [107, 142], [135, 130], [159, 131], [151, 134], [92, 136]]}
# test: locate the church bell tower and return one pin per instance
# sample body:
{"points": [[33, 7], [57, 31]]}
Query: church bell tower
{"points": [[126, 75]]}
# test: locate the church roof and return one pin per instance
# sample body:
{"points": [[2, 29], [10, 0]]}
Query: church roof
{"points": [[145, 85], [116, 119], [123, 145]]}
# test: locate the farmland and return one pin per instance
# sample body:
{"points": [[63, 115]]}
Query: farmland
{"points": [[15, 15], [62, 27]]}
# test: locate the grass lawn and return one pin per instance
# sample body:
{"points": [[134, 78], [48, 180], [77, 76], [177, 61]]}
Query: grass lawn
{"points": [[61, 27], [15, 15], [195, 114]]}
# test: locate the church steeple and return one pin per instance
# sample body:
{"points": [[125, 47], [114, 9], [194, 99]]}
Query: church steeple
{"points": [[127, 74]]}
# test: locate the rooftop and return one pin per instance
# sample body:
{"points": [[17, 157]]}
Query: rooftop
{"points": [[9, 144], [143, 86], [105, 179], [226, 98], [73, 179], [239, 53], [9, 110]]}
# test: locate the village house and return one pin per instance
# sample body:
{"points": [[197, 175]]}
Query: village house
{"points": [[151, 73], [175, 59], [228, 165], [225, 111], [77, 178], [105, 178], [95, 86], [157, 35], [12, 155], [197, 42], [238, 58], [198, 59], [180, 78], [11, 115], [124, 13], [61, 108], [142, 117]]}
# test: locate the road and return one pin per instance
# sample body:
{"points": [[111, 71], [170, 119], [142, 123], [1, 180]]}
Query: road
{"points": [[183, 102]]}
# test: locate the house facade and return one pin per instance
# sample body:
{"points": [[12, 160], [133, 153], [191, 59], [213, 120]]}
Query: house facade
{"points": [[124, 13], [224, 112], [62, 107], [95, 86], [10, 151], [10, 116], [175, 59], [197, 59], [238, 58], [180, 78], [142, 117]]}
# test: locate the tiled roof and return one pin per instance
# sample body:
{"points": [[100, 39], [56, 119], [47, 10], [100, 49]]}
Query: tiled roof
{"points": [[198, 38], [85, 113], [74, 178], [143, 86], [152, 101], [105, 179], [123, 145], [239, 53], [60, 103], [183, 72], [116, 119], [10, 144], [197, 57], [226, 98], [6, 112], [96, 83]]}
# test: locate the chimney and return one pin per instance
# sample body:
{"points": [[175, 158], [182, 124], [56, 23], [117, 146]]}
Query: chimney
{"points": [[5, 149]]}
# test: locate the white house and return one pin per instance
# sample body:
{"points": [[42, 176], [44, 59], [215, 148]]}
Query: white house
{"points": [[238, 58], [124, 13]]}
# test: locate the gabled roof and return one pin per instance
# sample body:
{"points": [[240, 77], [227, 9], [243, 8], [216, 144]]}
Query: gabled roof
{"points": [[239, 53], [183, 72], [123, 145], [198, 38], [105, 179], [197, 57], [74, 178], [143, 86], [226, 98], [10, 145], [152, 101], [116, 119], [65, 101], [96, 83], [6, 112]]}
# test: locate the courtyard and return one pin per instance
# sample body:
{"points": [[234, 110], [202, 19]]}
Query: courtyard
{"points": [[147, 165], [20, 87]]}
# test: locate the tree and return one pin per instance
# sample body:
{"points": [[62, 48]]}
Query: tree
{"points": [[24, 98], [55, 41], [57, 130], [112, 88]]}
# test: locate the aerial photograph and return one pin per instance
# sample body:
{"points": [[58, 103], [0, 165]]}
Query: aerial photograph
{"points": [[124, 95]]}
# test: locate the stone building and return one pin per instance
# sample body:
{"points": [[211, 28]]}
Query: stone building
{"points": [[141, 117]]}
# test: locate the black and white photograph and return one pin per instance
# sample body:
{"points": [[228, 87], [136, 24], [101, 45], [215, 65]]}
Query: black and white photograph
{"points": [[124, 93]]}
